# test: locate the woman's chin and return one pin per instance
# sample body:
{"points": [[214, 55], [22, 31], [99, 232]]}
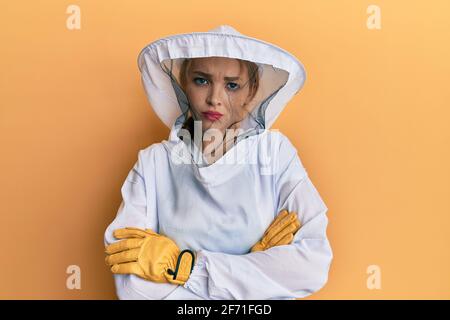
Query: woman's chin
{"points": [[209, 124]]}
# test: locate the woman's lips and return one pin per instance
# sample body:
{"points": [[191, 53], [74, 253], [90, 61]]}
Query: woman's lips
{"points": [[212, 116]]}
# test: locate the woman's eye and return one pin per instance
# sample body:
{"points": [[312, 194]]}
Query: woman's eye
{"points": [[234, 86], [201, 79]]}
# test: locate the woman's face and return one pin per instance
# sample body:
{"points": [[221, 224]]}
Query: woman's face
{"points": [[218, 91]]}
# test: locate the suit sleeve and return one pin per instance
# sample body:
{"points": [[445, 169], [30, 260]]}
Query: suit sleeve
{"points": [[138, 209], [282, 272]]}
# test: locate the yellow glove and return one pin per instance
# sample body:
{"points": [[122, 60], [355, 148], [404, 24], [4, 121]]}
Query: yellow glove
{"points": [[280, 232], [149, 255]]}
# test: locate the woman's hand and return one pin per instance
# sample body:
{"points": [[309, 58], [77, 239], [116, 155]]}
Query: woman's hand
{"points": [[280, 232], [149, 255]]}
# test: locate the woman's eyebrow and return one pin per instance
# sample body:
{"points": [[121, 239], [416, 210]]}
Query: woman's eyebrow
{"points": [[207, 75]]}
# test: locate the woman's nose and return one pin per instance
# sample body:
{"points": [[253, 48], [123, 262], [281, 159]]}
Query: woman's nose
{"points": [[215, 95]]}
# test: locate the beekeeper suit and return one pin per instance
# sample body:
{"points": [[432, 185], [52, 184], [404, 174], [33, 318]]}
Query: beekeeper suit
{"points": [[219, 208]]}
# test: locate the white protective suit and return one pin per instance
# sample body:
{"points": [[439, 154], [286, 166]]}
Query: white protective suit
{"points": [[221, 210]]}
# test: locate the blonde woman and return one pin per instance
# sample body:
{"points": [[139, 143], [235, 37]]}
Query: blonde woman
{"points": [[224, 208]]}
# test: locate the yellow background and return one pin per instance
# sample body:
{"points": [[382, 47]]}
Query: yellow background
{"points": [[371, 126]]}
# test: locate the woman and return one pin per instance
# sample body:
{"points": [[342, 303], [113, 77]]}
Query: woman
{"points": [[214, 212]]}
